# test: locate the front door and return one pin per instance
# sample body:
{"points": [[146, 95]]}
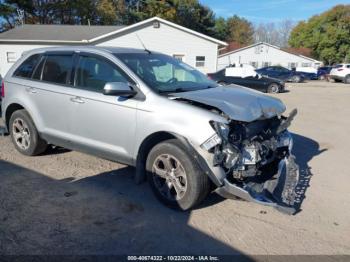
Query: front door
{"points": [[102, 124]]}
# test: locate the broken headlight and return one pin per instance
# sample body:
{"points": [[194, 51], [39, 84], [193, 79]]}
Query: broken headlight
{"points": [[222, 131], [211, 142]]}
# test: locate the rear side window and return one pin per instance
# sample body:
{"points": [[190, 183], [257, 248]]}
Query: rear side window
{"points": [[38, 70], [57, 68], [27, 67], [93, 73]]}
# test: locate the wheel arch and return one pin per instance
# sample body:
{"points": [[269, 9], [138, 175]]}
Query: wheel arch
{"points": [[158, 137], [9, 111], [146, 146]]}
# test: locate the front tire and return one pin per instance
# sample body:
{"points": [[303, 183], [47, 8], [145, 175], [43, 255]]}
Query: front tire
{"points": [[273, 88], [174, 176], [24, 134]]}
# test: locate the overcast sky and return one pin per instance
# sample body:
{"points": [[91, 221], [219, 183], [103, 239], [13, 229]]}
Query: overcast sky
{"points": [[262, 11]]}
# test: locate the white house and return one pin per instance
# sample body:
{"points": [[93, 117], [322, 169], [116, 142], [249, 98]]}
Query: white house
{"points": [[196, 49], [263, 54]]}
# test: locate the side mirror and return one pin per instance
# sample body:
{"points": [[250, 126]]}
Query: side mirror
{"points": [[118, 89]]}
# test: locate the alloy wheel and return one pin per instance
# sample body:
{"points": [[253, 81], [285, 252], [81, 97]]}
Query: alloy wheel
{"points": [[169, 177], [296, 79], [21, 133], [274, 88]]}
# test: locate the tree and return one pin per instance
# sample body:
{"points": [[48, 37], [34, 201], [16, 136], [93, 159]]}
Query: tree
{"points": [[107, 12], [7, 12], [327, 34], [285, 28], [193, 15], [274, 33], [240, 30], [221, 30]]}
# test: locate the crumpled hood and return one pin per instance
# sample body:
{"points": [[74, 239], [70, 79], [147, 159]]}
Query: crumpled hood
{"points": [[239, 103]]}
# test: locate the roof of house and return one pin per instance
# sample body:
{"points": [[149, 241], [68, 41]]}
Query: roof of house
{"points": [[82, 34], [57, 32], [230, 47], [273, 46]]}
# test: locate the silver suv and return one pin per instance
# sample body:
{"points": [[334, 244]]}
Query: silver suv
{"points": [[184, 133]]}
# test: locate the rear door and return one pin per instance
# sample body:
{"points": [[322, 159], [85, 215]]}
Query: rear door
{"points": [[102, 125], [52, 93]]}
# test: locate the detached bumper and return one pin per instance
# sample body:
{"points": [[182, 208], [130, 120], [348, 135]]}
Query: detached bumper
{"points": [[278, 192]]}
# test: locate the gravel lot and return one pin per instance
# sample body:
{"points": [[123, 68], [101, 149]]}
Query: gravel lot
{"points": [[70, 203]]}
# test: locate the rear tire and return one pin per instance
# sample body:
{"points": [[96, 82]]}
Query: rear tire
{"points": [[296, 79], [174, 176], [347, 79], [24, 134], [273, 88]]}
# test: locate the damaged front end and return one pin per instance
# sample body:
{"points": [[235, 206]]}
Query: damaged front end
{"points": [[256, 158]]}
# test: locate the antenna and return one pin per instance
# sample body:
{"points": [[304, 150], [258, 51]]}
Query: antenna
{"points": [[143, 45]]}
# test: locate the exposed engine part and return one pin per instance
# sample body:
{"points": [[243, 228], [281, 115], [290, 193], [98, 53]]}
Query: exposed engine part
{"points": [[256, 156]]}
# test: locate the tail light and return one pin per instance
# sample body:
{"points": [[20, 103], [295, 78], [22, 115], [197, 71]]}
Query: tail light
{"points": [[209, 76], [2, 89]]}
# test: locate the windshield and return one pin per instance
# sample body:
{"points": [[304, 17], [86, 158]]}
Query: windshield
{"points": [[165, 74]]}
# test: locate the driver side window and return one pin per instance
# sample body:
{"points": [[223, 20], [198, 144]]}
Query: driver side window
{"points": [[93, 73]]}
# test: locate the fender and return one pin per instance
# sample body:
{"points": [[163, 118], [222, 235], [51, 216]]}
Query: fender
{"points": [[214, 174]]}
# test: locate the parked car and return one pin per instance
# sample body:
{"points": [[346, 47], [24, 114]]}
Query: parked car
{"points": [[340, 73], [254, 81], [323, 72], [282, 73], [146, 109], [308, 72]]}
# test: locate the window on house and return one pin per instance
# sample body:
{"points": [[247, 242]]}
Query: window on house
{"points": [[259, 49], [11, 57], [200, 61], [292, 65], [179, 57], [305, 64], [255, 64]]}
